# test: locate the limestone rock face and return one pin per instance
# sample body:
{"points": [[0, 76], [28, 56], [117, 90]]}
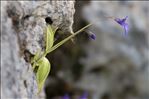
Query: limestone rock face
{"points": [[23, 24]]}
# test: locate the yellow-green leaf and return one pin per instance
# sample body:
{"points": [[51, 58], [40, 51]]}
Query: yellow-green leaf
{"points": [[35, 58], [42, 72], [49, 37]]}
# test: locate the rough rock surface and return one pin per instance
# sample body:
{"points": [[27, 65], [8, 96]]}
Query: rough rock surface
{"points": [[23, 23], [117, 67]]}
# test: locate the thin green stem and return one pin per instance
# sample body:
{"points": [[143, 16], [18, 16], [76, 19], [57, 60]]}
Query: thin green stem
{"points": [[68, 38]]}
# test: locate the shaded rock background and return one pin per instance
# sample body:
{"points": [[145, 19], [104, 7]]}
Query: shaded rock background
{"points": [[118, 66], [112, 66], [22, 27]]}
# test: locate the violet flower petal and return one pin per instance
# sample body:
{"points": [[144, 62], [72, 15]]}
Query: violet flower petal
{"points": [[123, 20], [123, 23], [93, 36], [119, 21], [84, 96], [126, 29], [66, 96]]}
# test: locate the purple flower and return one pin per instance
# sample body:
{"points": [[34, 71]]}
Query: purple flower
{"points": [[91, 35], [84, 96], [66, 96], [123, 23]]}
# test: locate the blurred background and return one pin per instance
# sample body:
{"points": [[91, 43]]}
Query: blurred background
{"points": [[110, 67]]}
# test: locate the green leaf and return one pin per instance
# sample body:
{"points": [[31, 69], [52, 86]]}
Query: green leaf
{"points": [[68, 38], [35, 58], [49, 37], [54, 30], [42, 72]]}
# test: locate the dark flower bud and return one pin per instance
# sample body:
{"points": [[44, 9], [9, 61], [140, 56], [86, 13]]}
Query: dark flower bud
{"points": [[91, 35]]}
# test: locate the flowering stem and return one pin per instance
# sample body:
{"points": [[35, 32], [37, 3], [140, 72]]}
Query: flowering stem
{"points": [[62, 42], [68, 38]]}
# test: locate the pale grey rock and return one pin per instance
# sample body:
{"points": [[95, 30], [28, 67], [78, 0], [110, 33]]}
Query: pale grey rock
{"points": [[23, 24]]}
